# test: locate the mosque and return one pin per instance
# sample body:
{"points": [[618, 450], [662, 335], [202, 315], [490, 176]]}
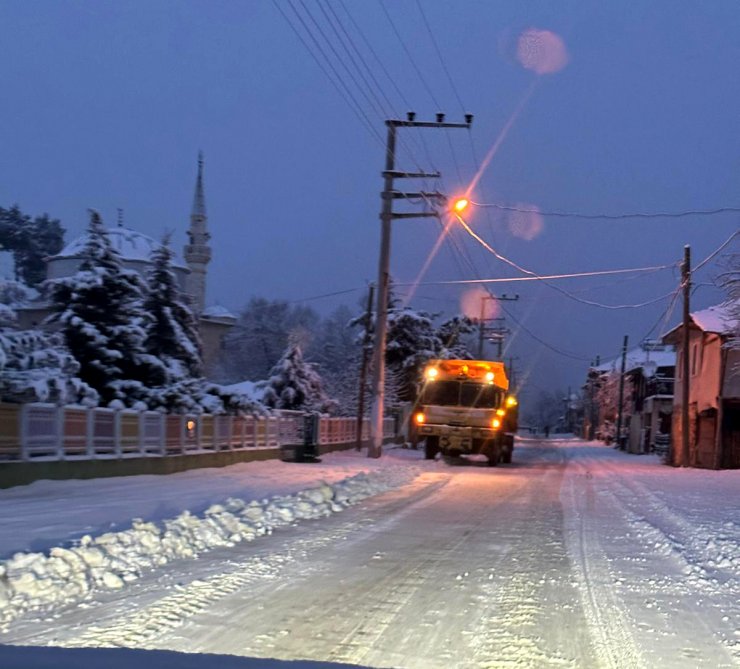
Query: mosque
{"points": [[136, 248]]}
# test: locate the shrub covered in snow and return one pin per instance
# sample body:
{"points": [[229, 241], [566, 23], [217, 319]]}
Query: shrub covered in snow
{"points": [[295, 385]]}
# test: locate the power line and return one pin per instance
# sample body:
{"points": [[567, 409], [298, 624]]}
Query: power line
{"points": [[463, 253], [320, 297], [716, 251], [511, 263], [439, 55], [608, 217], [410, 56], [573, 275], [343, 91]]}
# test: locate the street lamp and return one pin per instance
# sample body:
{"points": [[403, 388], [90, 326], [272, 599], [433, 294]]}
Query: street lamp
{"points": [[460, 205]]}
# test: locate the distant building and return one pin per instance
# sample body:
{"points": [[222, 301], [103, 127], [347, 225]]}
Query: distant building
{"points": [[647, 398], [714, 389], [135, 249]]}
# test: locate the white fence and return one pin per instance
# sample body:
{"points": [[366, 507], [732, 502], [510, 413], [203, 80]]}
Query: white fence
{"points": [[48, 432]]}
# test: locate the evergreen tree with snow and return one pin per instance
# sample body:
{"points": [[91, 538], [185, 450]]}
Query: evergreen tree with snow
{"points": [[35, 367], [100, 311], [452, 335], [171, 329], [294, 384]]}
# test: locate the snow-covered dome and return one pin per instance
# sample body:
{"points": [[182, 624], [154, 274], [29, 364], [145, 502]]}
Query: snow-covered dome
{"points": [[131, 244], [134, 247]]}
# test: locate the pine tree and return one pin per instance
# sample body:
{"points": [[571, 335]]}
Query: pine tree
{"points": [[30, 240], [451, 334], [171, 329], [100, 312], [35, 367], [294, 384]]}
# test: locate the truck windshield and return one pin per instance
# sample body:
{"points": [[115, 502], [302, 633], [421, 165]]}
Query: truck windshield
{"points": [[441, 393], [454, 393], [480, 396]]}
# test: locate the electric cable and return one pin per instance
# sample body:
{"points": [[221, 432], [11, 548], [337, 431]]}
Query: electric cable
{"points": [[344, 94], [715, 252], [511, 263], [608, 217]]}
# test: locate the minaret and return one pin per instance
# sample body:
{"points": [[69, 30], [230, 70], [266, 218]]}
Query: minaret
{"points": [[197, 252]]}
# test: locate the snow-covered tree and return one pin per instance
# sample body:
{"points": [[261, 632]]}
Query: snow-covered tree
{"points": [[171, 330], [35, 367], [100, 311], [295, 385], [453, 335]]}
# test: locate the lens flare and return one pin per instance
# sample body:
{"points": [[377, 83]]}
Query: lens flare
{"points": [[527, 223], [476, 301], [541, 51]]}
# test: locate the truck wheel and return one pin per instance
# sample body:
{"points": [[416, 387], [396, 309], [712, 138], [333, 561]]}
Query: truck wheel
{"points": [[506, 456], [492, 451], [431, 448]]}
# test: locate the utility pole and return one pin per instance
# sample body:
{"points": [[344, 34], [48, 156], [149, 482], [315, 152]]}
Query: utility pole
{"points": [[483, 331], [386, 216], [363, 365], [621, 393], [512, 375], [683, 459]]}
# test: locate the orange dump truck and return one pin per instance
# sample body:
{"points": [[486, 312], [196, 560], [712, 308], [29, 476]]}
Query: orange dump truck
{"points": [[464, 407]]}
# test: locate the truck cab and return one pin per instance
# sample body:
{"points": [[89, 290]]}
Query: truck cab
{"points": [[464, 408]]}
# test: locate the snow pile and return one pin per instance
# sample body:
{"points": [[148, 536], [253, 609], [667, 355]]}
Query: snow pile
{"points": [[37, 581]]}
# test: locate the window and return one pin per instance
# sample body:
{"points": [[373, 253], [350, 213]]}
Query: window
{"points": [[694, 353], [480, 396], [441, 393]]}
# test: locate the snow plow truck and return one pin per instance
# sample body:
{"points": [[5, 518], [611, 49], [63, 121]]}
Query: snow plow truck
{"points": [[464, 407]]}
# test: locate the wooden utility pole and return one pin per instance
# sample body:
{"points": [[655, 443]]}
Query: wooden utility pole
{"points": [[621, 392], [683, 456], [363, 366], [386, 216], [483, 331]]}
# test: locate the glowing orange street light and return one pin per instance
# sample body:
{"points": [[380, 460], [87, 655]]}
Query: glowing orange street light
{"points": [[460, 204]]}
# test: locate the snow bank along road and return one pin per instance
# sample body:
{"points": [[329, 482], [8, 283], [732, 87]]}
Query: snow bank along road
{"points": [[574, 556]]}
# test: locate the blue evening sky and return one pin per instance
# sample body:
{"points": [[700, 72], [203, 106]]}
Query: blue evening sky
{"points": [[106, 104]]}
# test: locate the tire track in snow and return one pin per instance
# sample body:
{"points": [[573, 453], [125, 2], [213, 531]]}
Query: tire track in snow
{"points": [[606, 615], [667, 534]]}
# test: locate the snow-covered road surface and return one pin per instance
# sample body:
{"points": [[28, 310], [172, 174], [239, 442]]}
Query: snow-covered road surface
{"points": [[574, 556]]}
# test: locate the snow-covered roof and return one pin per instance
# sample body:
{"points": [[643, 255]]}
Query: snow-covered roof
{"points": [[130, 244], [715, 319], [649, 360], [217, 311]]}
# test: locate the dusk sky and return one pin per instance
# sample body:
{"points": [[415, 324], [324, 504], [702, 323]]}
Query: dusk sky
{"points": [[106, 105]]}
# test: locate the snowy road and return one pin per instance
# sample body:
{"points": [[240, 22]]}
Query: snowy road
{"points": [[574, 556]]}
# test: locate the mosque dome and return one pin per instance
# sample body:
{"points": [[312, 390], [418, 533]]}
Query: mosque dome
{"points": [[135, 249], [130, 244]]}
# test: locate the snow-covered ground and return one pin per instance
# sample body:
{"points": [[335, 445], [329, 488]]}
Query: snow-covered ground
{"points": [[576, 555]]}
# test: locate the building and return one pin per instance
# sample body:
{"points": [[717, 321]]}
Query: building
{"points": [[714, 389], [135, 249], [647, 398]]}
